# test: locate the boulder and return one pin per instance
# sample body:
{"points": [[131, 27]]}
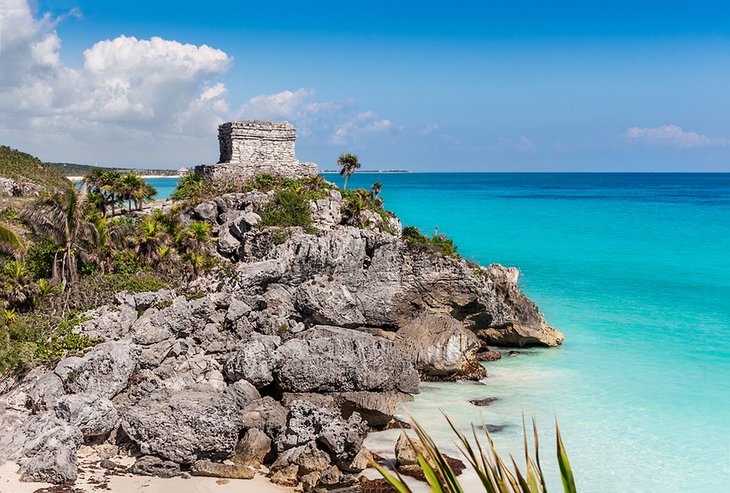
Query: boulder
{"points": [[309, 423], [212, 469], [46, 392], [252, 448], [440, 346], [104, 371], [376, 408], [93, 415], [49, 450], [253, 361], [330, 359], [267, 415], [242, 392], [489, 355], [184, 426], [149, 465], [206, 211]]}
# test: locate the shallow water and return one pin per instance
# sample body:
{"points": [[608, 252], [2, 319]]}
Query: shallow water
{"points": [[635, 270]]}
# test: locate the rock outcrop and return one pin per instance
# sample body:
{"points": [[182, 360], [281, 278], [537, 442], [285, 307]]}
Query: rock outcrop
{"points": [[286, 359]]}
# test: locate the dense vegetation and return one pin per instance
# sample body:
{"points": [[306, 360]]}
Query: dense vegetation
{"points": [[69, 251], [66, 252], [24, 167]]}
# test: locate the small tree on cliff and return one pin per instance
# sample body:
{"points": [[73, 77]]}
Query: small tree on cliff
{"points": [[349, 163]]}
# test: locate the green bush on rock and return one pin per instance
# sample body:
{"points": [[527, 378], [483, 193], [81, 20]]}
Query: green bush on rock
{"points": [[438, 242]]}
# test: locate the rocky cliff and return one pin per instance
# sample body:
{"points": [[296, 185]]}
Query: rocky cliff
{"points": [[286, 357]]}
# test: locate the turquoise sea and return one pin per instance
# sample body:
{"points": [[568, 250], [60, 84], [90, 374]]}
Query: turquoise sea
{"points": [[635, 270]]}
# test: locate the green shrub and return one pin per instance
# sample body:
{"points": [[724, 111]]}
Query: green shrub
{"points": [[39, 259], [100, 289], [439, 243], [287, 209], [127, 263], [31, 339], [191, 188]]}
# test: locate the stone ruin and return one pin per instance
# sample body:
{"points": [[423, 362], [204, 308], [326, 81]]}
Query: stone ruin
{"points": [[250, 147]]}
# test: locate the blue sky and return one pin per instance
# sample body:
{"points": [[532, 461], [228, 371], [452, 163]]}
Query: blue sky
{"points": [[478, 86]]}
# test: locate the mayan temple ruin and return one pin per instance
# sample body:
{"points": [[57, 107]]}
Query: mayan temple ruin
{"points": [[251, 147]]}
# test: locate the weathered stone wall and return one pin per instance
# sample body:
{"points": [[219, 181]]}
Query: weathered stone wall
{"points": [[243, 172], [251, 147], [256, 142]]}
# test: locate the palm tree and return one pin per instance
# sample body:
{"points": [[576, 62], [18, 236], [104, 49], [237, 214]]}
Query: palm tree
{"points": [[143, 193], [109, 184], [198, 236], [100, 183], [59, 217], [150, 239], [376, 188], [127, 186], [349, 163]]}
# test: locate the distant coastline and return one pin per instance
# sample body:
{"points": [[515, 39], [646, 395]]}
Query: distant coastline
{"points": [[371, 171], [143, 175]]}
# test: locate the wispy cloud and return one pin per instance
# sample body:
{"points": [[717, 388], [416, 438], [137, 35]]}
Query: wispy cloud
{"points": [[337, 122], [674, 136]]}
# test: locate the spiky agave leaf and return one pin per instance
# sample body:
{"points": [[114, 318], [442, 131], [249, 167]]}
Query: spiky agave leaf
{"points": [[566, 473]]}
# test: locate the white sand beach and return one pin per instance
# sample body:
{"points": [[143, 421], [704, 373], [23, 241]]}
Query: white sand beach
{"points": [[93, 478]]}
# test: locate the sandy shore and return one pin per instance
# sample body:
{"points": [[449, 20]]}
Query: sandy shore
{"points": [[93, 478]]}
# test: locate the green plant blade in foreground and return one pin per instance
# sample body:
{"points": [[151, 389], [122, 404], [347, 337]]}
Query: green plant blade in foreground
{"points": [[492, 470]]}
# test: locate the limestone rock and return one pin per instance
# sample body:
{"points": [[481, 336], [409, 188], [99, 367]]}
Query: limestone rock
{"points": [[206, 211], [329, 359], [242, 392], [405, 451], [252, 361], [439, 345], [217, 470], [93, 415], [104, 371], [308, 423], [49, 451], [267, 415], [149, 465], [252, 448], [308, 457], [185, 425], [46, 392]]}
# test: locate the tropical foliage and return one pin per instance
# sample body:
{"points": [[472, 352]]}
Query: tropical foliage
{"points": [[107, 188], [437, 242], [493, 471], [349, 164]]}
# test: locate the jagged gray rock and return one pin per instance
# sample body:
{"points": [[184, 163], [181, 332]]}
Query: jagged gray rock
{"points": [[185, 426], [49, 451], [149, 465], [440, 346], [253, 361], [330, 359], [93, 415], [104, 371]]}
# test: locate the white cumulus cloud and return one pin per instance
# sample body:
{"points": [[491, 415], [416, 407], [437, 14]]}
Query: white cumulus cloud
{"points": [[675, 136], [128, 88]]}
